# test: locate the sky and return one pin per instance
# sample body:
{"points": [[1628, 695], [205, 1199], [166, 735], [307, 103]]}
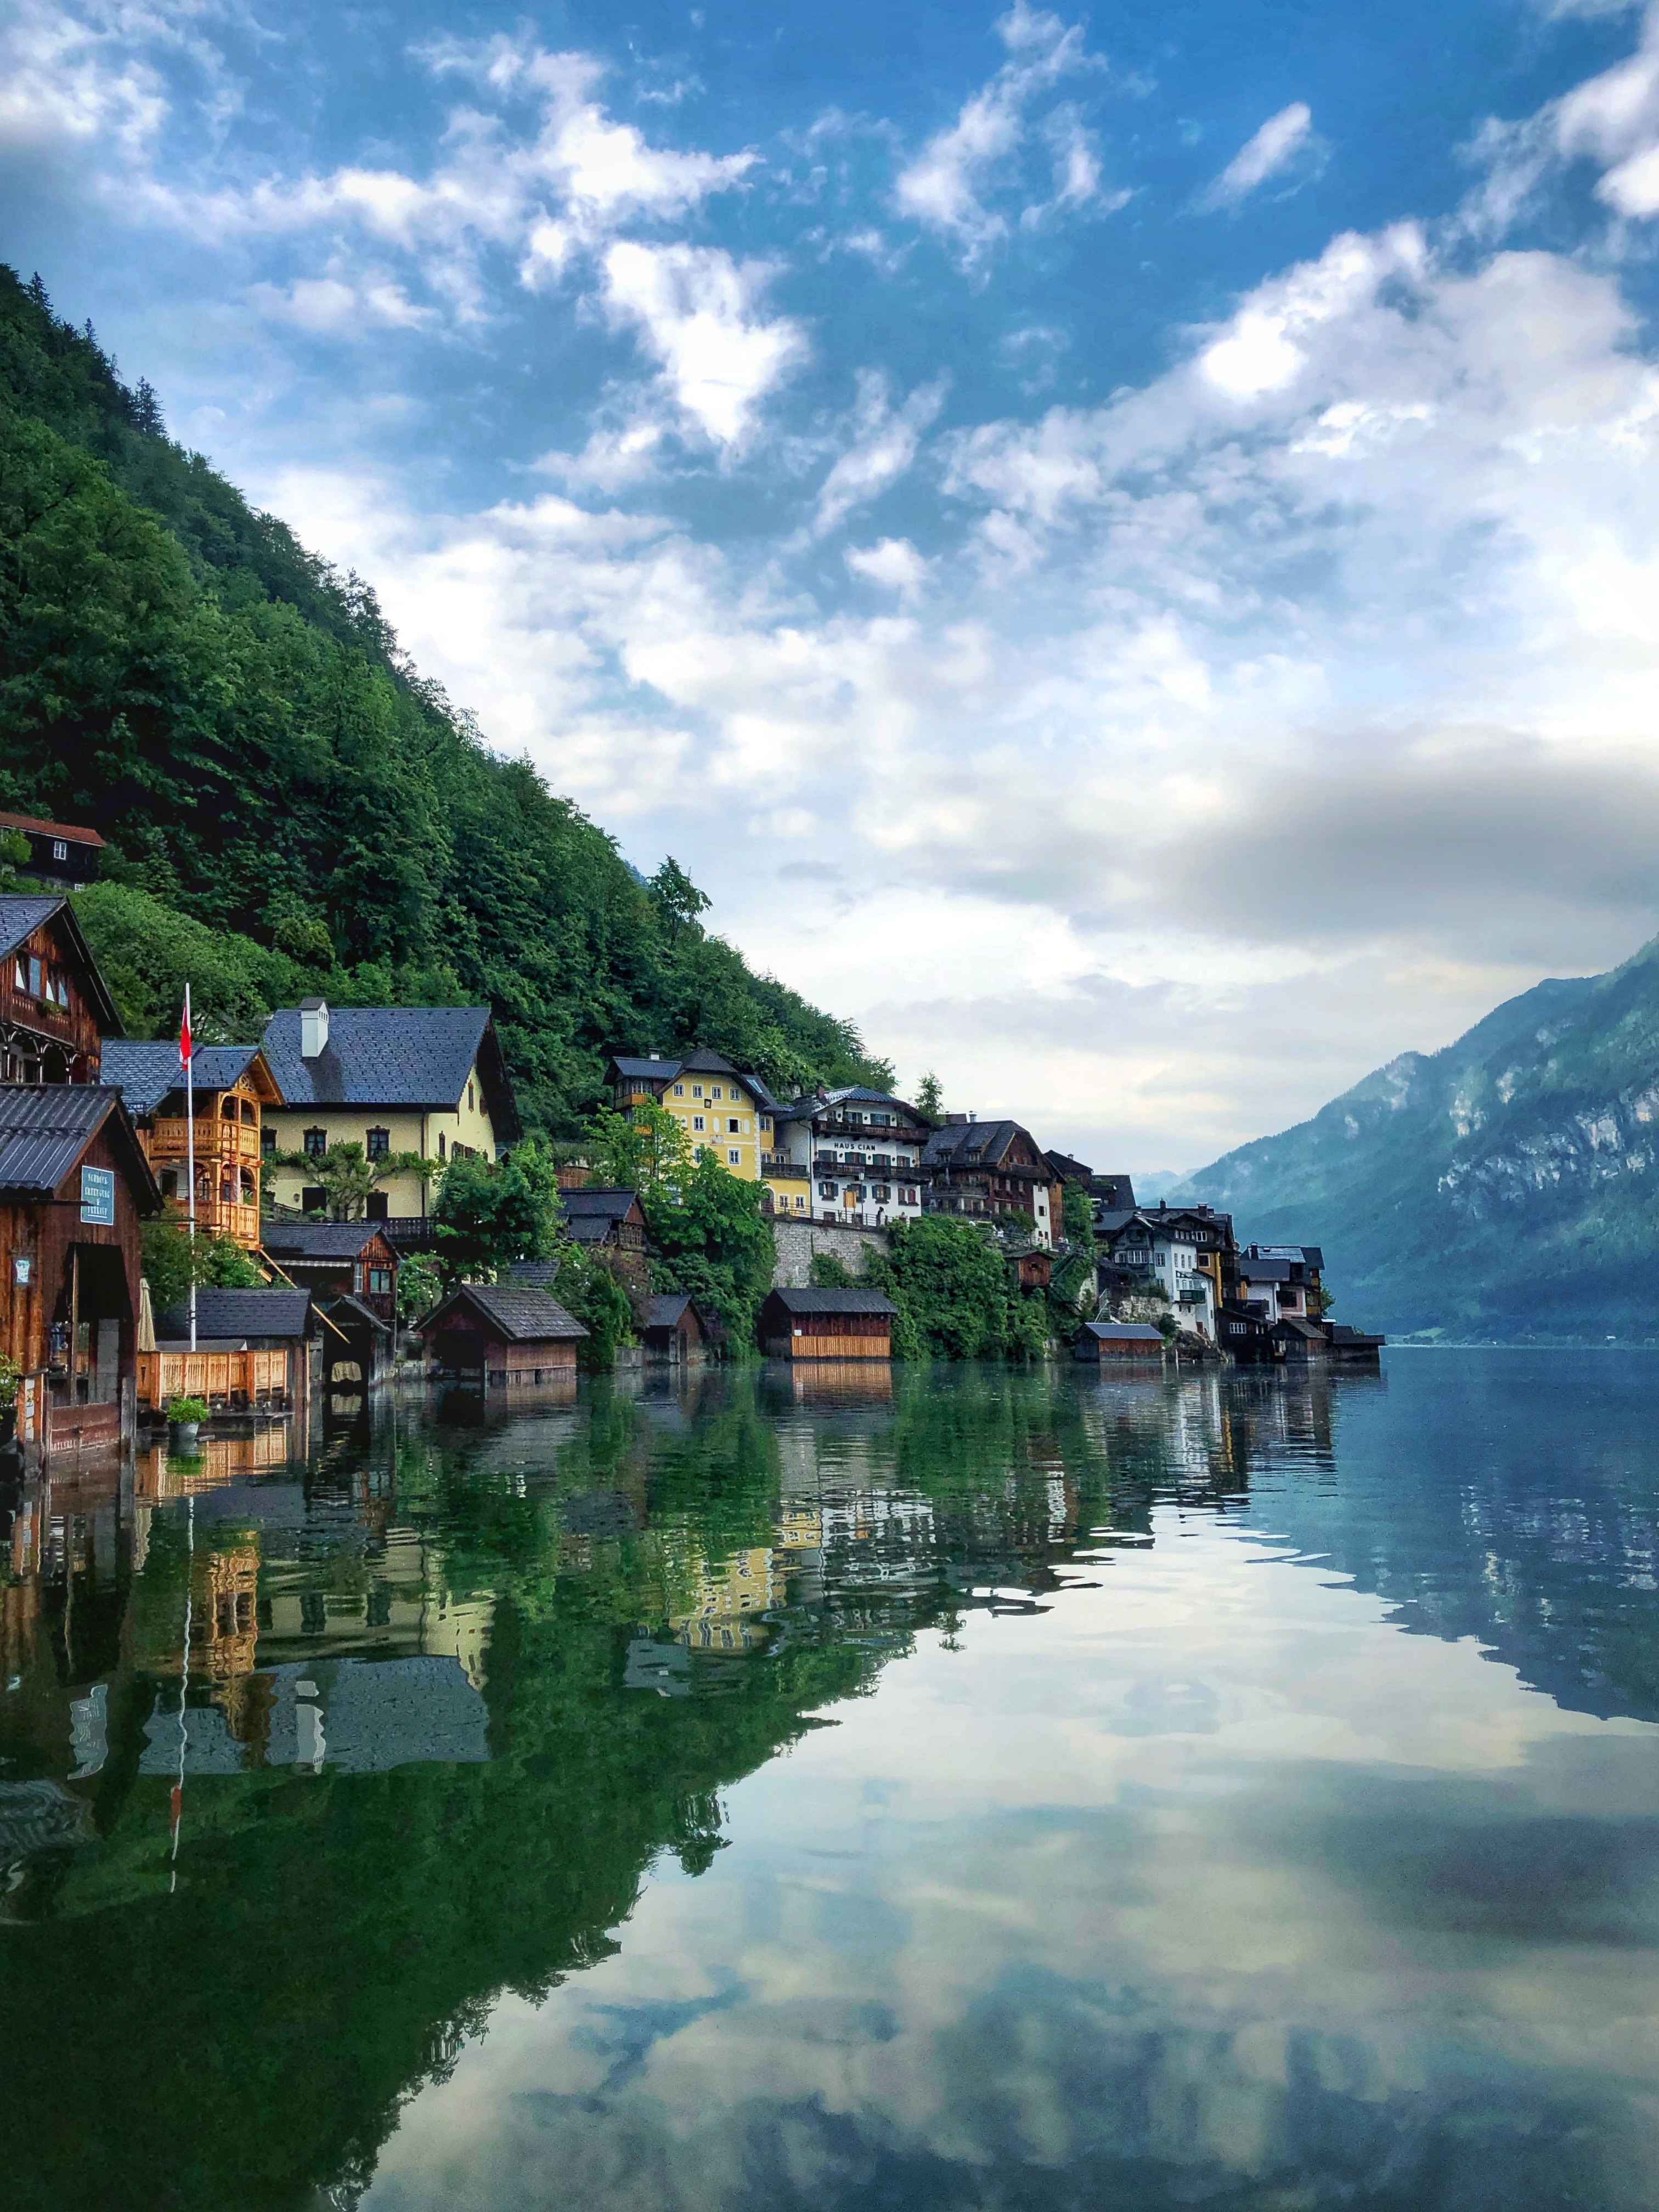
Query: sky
{"points": [[1120, 547]]}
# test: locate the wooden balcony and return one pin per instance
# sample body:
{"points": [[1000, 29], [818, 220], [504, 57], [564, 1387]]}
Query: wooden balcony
{"points": [[780, 1165], [215, 1139], [218, 1216]]}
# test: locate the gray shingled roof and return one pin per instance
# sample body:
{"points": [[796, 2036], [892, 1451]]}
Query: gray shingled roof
{"points": [[317, 1240], [608, 1204], [145, 1073], [1114, 1332], [392, 1056], [20, 916], [830, 1302], [519, 1312], [44, 1128], [666, 1312], [222, 1314], [802, 1109], [970, 1144], [545, 1272]]}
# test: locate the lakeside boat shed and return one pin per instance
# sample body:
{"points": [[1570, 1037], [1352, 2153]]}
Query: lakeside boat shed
{"points": [[673, 1331], [1105, 1342], [256, 1350], [827, 1324], [496, 1334]]}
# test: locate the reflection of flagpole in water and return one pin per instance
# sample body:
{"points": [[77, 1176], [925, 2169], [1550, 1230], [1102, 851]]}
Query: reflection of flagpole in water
{"points": [[184, 1691]]}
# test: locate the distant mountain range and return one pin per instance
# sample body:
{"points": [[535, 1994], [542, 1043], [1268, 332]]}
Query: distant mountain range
{"points": [[1506, 1187]]}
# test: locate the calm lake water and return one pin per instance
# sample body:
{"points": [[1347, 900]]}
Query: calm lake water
{"points": [[991, 1790]]}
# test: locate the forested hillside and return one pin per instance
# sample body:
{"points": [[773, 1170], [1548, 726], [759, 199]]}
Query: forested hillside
{"points": [[1506, 1187], [289, 805]]}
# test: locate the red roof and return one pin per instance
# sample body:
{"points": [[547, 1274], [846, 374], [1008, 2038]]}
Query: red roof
{"points": [[50, 829]]}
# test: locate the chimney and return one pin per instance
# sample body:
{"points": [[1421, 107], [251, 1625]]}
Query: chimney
{"points": [[958, 1121], [313, 1028]]}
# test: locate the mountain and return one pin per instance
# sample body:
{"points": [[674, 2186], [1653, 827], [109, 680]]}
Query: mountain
{"points": [[1506, 1187], [289, 805]]}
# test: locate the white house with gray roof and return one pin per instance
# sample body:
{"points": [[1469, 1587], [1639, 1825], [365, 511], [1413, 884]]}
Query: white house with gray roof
{"points": [[429, 1080], [852, 1156]]}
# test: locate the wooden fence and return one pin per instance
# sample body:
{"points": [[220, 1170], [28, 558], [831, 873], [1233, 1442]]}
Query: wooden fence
{"points": [[225, 1379]]}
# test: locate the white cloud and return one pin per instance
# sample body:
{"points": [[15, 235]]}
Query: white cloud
{"points": [[948, 187], [1284, 142], [695, 309], [884, 449], [894, 562], [331, 306]]}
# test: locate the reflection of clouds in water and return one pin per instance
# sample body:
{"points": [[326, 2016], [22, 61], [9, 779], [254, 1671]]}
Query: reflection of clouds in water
{"points": [[1205, 1885]]}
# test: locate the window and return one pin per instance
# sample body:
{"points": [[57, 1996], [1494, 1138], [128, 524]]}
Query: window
{"points": [[731, 1124], [314, 1200], [679, 1091], [800, 1203], [20, 973], [765, 1127], [169, 1183], [228, 1106], [826, 1190], [696, 1121], [58, 989], [734, 1157], [37, 977], [377, 1206], [380, 1282], [442, 1154], [316, 1143], [378, 1143], [469, 1098], [881, 1193], [250, 1113], [267, 1141], [59, 849], [716, 1092], [696, 1091]]}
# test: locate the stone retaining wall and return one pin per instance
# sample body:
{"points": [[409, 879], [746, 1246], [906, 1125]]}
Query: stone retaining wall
{"points": [[797, 1242]]}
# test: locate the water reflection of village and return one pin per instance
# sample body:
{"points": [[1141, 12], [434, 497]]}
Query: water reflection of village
{"points": [[242, 1610]]}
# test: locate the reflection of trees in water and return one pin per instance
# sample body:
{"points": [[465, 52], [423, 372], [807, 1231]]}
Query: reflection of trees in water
{"points": [[336, 1936]]}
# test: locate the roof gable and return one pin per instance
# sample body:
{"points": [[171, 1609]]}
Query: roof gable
{"points": [[220, 1314], [145, 1073], [20, 917], [521, 1313], [321, 1240], [392, 1056]]}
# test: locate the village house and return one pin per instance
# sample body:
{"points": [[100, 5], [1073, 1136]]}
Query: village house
{"points": [[827, 1324], [499, 1334], [672, 1334], [852, 1156], [1281, 1282], [74, 1188], [58, 850], [611, 1223], [720, 1111], [980, 1170], [233, 1086], [428, 1081], [55, 1007], [1183, 1252], [350, 1269]]}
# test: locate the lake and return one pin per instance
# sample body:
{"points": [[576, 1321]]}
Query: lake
{"points": [[974, 1788]]}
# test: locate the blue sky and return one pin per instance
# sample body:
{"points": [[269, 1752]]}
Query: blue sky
{"points": [[1121, 548]]}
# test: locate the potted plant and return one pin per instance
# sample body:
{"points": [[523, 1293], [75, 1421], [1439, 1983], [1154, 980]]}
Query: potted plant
{"points": [[184, 1418]]}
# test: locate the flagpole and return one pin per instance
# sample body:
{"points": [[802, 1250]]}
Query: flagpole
{"points": [[190, 1154]]}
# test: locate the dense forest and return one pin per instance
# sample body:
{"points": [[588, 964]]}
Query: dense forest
{"points": [[289, 805]]}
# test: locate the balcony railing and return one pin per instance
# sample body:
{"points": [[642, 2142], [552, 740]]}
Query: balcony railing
{"points": [[779, 1164], [867, 1163], [215, 1139]]}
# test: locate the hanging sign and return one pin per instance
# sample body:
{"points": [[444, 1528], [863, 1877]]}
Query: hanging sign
{"points": [[22, 1268], [98, 1196]]}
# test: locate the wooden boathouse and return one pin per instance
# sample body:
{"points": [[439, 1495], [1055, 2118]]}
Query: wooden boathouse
{"points": [[501, 1333], [826, 1324]]}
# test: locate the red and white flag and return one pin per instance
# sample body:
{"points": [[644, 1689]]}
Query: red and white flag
{"points": [[184, 1032]]}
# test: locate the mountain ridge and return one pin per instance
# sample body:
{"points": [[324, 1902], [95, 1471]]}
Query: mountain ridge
{"points": [[1506, 1186]]}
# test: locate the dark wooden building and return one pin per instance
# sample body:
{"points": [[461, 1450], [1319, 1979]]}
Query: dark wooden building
{"points": [[821, 1324], [611, 1223], [353, 1259], [58, 850], [1105, 1343], [500, 1334], [672, 1333], [74, 1188], [982, 1168], [256, 1350], [55, 1008]]}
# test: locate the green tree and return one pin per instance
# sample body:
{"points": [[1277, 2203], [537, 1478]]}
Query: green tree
{"points": [[1077, 1214], [587, 1290], [951, 1282], [645, 1151], [488, 1214], [420, 1286], [219, 1263], [930, 1099], [714, 1244], [677, 897]]}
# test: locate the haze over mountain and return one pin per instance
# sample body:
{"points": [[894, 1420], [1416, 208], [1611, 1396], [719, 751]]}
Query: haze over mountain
{"points": [[1504, 1187]]}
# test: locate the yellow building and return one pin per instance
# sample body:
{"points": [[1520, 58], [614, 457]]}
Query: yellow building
{"points": [[429, 1080], [720, 1111]]}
